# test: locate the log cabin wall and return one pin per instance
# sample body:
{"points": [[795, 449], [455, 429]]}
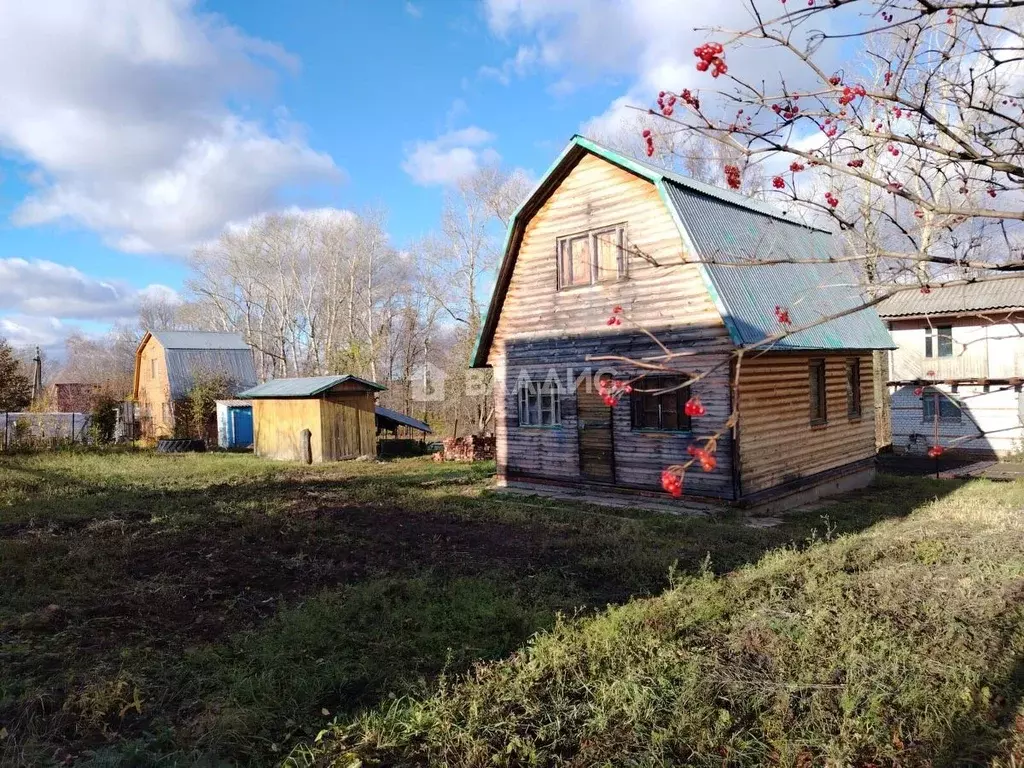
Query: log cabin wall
{"points": [[278, 425], [542, 327], [777, 443], [154, 393]]}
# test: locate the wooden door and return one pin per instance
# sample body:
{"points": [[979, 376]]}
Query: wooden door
{"points": [[597, 446]]}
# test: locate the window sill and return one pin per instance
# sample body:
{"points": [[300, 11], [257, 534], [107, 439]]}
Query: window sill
{"points": [[854, 417], [541, 426], [819, 424], [665, 432], [581, 286]]}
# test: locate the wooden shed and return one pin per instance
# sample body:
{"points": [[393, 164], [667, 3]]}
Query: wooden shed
{"points": [[338, 411]]}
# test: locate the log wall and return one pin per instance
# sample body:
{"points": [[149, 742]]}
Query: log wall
{"points": [[777, 443]]}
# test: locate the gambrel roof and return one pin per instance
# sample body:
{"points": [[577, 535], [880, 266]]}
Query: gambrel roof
{"points": [[190, 352], [727, 231]]}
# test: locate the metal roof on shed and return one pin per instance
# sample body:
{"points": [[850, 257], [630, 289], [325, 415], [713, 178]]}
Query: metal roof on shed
{"points": [[199, 340], [309, 386], [235, 366], [989, 294], [401, 418]]}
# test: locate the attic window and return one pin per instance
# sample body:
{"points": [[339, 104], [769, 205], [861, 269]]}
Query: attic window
{"points": [[592, 257], [938, 342], [152, 368]]}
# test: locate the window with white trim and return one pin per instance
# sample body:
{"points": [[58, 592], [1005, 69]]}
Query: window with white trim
{"points": [[592, 257], [539, 404]]}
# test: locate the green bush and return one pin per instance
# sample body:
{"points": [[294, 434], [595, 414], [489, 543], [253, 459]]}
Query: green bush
{"points": [[103, 423]]}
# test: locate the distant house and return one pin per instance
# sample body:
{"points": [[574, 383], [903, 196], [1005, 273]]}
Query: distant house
{"points": [[601, 230], [168, 363], [73, 396], [338, 411], [957, 374]]}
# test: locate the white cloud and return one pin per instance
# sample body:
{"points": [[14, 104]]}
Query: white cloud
{"points": [[27, 331], [42, 293], [450, 157], [413, 10], [121, 108], [646, 43], [519, 65]]}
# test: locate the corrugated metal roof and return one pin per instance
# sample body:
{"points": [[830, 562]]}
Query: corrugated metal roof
{"points": [[728, 237], [308, 386], [401, 418], [235, 365], [991, 293], [199, 340]]}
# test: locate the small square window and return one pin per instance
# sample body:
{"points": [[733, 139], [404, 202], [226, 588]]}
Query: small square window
{"points": [[591, 257], [539, 404], [818, 394], [934, 401], [659, 402], [938, 341]]}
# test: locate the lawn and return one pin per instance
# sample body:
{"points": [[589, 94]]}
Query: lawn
{"points": [[216, 609]]}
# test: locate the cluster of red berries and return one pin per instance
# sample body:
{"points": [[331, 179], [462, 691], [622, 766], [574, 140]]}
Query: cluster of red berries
{"points": [[831, 199], [666, 103], [707, 460], [949, 16], [893, 150], [856, 163], [710, 55], [649, 139], [779, 183], [732, 176], [829, 128], [919, 391], [886, 16], [835, 80], [850, 93], [694, 407], [796, 167], [893, 186], [782, 315], [612, 389], [925, 289], [991, 191], [898, 112], [788, 112], [614, 319], [672, 482], [918, 214], [689, 98], [935, 451]]}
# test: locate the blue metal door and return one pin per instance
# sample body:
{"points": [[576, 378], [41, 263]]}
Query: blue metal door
{"points": [[241, 427]]}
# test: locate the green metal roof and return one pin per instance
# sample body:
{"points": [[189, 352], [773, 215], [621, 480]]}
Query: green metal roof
{"points": [[724, 229], [309, 386]]}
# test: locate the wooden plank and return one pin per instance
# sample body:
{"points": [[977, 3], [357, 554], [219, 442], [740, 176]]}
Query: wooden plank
{"points": [[777, 442]]}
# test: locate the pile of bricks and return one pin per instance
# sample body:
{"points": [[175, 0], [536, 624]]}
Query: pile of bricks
{"points": [[469, 448]]}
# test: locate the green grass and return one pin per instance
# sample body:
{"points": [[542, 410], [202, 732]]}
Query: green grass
{"points": [[217, 609], [900, 645]]}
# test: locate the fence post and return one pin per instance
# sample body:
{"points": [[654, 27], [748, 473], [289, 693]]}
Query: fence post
{"points": [[7, 419], [72, 427]]}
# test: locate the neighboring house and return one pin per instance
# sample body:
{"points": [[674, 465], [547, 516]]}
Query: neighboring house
{"points": [[602, 230], [73, 396], [957, 373], [168, 363], [337, 411]]}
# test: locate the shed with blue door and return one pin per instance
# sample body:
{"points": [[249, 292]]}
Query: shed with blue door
{"points": [[234, 424]]}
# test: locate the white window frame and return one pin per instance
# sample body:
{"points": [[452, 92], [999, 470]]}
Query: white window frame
{"points": [[540, 404], [618, 231]]}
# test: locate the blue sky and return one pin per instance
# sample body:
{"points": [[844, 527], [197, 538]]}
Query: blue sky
{"points": [[135, 129]]}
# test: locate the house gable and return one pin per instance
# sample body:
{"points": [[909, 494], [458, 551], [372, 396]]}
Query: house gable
{"points": [[716, 229], [660, 288]]}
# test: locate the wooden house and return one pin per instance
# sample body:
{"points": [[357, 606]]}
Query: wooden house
{"points": [[603, 230], [956, 375], [169, 363], [338, 411]]}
